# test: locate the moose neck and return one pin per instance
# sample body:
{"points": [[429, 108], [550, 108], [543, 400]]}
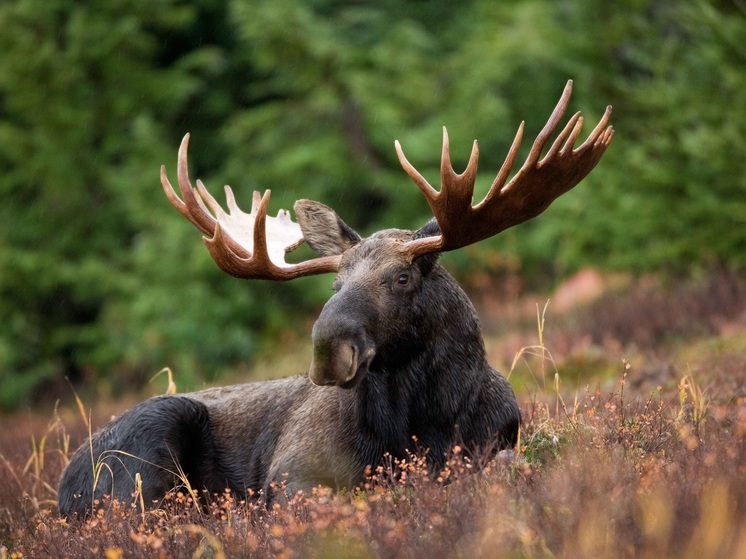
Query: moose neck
{"points": [[421, 381]]}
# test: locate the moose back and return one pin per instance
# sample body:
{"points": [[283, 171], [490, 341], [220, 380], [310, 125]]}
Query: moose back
{"points": [[397, 350]]}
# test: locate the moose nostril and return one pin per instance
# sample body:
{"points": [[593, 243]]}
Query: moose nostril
{"points": [[334, 363]]}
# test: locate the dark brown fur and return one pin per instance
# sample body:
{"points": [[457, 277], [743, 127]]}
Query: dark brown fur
{"points": [[398, 354]]}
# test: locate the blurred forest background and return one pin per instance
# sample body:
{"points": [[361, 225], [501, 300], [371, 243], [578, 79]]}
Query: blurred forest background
{"points": [[102, 281]]}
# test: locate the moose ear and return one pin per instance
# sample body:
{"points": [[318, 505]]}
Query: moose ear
{"points": [[323, 229], [430, 229]]}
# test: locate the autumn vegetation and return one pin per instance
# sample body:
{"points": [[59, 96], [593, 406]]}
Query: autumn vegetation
{"points": [[627, 449]]}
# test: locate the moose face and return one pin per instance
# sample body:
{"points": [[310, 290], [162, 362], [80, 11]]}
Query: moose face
{"points": [[373, 305], [373, 308]]}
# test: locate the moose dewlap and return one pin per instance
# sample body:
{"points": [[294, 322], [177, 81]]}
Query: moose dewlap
{"points": [[397, 350]]}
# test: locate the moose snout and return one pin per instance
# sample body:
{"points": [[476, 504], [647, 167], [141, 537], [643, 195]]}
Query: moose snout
{"points": [[333, 363], [339, 363], [342, 350]]}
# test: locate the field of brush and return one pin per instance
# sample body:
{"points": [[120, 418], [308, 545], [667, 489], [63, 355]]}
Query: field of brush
{"points": [[633, 444]]}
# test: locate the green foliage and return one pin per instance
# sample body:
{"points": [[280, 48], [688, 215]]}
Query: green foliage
{"points": [[674, 183], [82, 99], [100, 279]]}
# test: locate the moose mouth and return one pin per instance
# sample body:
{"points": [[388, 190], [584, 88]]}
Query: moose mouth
{"points": [[344, 365]]}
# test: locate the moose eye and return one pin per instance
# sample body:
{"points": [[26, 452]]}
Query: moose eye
{"points": [[402, 279]]}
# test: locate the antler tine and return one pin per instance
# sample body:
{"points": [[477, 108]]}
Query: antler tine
{"points": [[448, 173], [531, 190], [260, 229], [414, 174], [566, 134], [206, 200], [506, 167], [197, 213], [450, 179], [457, 190], [171, 194], [602, 131], [572, 138], [550, 126], [238, 241]]}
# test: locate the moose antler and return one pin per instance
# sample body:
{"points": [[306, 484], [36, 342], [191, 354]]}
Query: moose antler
{"points": [[252, 245], [238, 241], [533, 188]]}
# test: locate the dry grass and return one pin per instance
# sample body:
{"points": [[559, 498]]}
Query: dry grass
{"points": [[615, 469]]}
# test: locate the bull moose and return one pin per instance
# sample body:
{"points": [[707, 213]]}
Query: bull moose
{"points": [[397, 350]]}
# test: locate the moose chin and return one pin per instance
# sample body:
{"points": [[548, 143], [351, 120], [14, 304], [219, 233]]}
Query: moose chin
{"points": [[398, 353]]}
